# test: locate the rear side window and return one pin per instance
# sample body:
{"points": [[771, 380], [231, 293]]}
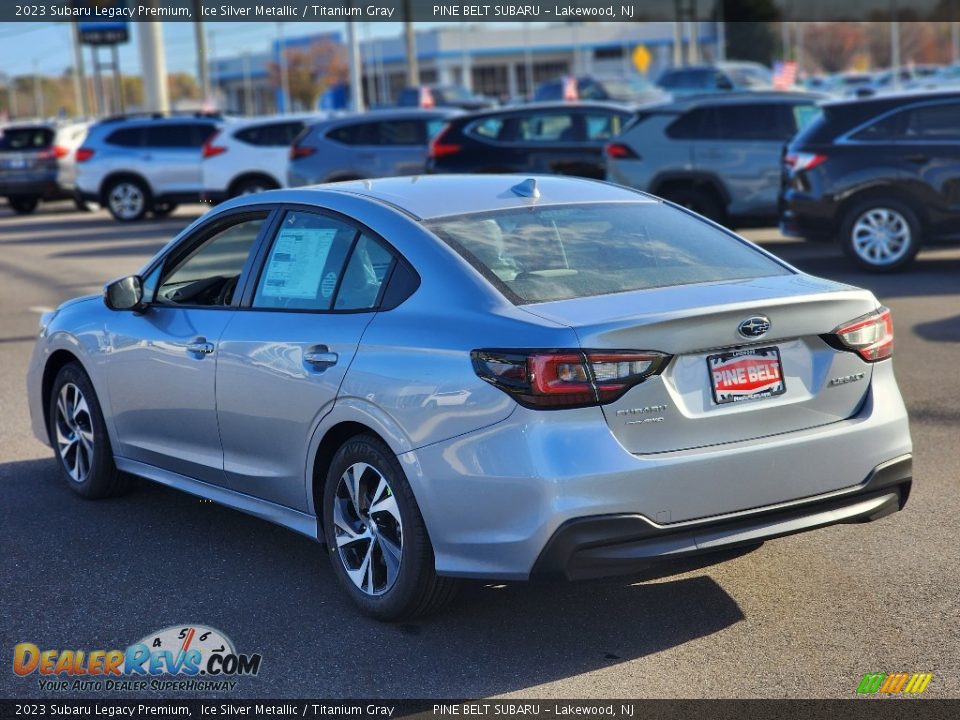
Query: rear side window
{"points": [[933, 123], [186, 135], [548, 127], [402, 132], [273, 135], [687, 80], [25, 138], [603, 126], [127, 137], [563, 252], [692, 125], [491, 128], [768, 121]]}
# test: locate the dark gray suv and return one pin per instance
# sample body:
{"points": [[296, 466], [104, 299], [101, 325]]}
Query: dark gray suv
{"points": [[717, 155]]}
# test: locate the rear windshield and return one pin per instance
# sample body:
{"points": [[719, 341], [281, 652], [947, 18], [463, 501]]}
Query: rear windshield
{"points": [[562, 252], [25, 138]]}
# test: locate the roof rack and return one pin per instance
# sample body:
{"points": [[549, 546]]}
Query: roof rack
{"points": [[213, 115]]}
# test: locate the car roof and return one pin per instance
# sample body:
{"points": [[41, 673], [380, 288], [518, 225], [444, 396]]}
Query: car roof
{"points": [[551, 105], [378, 114], [734, 97], [894, 99], [431, 196]]}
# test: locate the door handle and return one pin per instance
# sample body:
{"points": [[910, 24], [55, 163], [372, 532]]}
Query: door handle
{"points": [[320, 357], [918, 158], [200, 347]]}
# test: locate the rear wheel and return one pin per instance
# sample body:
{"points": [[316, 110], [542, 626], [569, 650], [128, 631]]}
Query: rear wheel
{"points": [[881, 234], [375, 535], [251, 186], [23, 205], [79, 436], [127, 199], [699, 201]]}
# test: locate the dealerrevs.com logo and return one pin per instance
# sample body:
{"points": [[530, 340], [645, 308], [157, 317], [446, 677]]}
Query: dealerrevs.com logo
{"points": [[181, 657], [894, 683]]}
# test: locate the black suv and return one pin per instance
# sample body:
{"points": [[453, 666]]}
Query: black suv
{"points": [[880, 174]]}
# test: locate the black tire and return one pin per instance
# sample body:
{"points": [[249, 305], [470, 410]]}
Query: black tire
{"points": [[82, 205], [23, 205], [161, 210], [416, 590], [252, 185], [101, 479], [699, 201], [121, 210], [901, 218]]}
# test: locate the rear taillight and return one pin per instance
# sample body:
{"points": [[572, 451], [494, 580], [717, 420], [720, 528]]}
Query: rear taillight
{"points": [[54, 153], [803, 161], [440, 147], [870, 336], [301, 151], [210, 150], [619, 151], [84, 154], [555, 379]]}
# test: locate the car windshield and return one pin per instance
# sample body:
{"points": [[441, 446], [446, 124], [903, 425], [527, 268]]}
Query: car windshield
{"points": [[34, 137], [561, 252]]}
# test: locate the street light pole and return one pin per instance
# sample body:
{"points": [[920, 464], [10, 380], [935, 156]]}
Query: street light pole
{"points": [[79, 81], [356, 68], [410, 40], [203, 69], [284, 71]]}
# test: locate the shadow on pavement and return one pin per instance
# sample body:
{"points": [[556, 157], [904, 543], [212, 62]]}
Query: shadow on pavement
{"points": [[106, 573], [946, 330]]}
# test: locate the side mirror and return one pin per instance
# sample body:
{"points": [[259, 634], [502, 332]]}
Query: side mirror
{"points": [[124, 294]]}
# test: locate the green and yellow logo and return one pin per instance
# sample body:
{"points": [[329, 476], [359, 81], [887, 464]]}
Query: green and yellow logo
{"points": [[894, 683]]}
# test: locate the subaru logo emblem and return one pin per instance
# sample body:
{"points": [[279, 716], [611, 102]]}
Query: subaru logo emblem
{"points": [[754, 327]]}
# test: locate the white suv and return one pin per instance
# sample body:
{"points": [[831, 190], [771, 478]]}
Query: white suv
{"points": [[250, 156], [135, 165]]}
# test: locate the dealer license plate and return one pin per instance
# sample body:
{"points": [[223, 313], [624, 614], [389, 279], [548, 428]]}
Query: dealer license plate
{"points": [[750, 374]]}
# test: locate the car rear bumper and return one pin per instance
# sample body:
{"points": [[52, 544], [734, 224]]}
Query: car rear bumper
{"points": [[617, 544], [492, 500], [805, 216], [46, 189]]}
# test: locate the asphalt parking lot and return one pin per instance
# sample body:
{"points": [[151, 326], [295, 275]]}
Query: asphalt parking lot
{"points": [[805, 616]]}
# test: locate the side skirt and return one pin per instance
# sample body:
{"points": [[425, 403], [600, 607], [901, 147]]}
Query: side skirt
{"points": [[295, 520]]}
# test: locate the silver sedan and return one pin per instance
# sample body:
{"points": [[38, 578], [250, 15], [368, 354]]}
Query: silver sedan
{"points": [[480, 377]]}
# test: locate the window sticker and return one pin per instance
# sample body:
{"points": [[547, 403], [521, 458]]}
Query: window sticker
{"points": [[296, 263]]}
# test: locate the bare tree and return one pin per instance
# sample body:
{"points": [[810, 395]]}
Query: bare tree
{"points": [[311, 71], [832, 46]]}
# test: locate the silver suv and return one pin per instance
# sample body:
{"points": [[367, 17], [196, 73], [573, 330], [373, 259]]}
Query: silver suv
{"points": [[358, 147], [133, 166], [719, 155]]}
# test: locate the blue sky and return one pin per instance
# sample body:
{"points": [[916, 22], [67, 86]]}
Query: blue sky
{"points": [[49, 43]]}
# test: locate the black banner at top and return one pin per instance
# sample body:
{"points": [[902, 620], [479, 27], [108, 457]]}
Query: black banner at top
{"points": [[480, 11]]}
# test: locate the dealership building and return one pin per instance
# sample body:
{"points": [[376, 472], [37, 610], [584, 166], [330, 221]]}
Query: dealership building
{"points": [[505, 61]]}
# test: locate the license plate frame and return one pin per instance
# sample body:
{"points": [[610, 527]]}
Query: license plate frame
{"points": [[742, 363]]}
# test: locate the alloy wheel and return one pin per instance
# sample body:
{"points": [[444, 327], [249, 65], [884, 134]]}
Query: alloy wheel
{"points": [[881, 236], [74, 430], [368, 529], [126, 200]]}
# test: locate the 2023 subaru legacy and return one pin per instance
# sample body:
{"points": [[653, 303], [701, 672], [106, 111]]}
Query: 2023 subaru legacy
{"points": [[486, 377]]}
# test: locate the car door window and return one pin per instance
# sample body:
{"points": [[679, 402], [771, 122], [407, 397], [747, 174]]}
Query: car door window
{"points": [[750, 122], [180, 136], [934, 123], [548, 127], [603, 126], [403, 132], [305, 263], [363, 278], [127, 137], [273, 135], [208, 276]]}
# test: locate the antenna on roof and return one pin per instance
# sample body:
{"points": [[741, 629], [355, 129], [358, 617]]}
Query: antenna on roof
{"points": [[527, 188]]}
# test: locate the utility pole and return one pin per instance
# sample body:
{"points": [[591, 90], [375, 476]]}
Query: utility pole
{"points": [[955, 41], [247, 85], [410, 40], [895, 52], [38, 108], [117, 79], [678, 41], [284, 70], [203, 70], [79, 79], [356, 68], [153, 63]]}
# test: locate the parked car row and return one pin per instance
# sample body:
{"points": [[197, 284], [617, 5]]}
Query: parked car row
{"points": [[37, 162], [877, 173]]}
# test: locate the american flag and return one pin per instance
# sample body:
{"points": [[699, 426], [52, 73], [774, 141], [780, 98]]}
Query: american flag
{"points": [[784, 74]]}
